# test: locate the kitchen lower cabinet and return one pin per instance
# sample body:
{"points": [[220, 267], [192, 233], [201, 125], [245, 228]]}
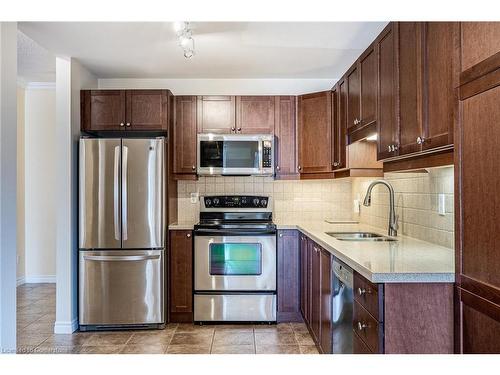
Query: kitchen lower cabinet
{"points": [[181, 276], [315, 288], [304, 277], [288, 276]]}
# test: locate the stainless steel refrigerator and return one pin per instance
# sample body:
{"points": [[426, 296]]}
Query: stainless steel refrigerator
{"points": [[121, 232]]}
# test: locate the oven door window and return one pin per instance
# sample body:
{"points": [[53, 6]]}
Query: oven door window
{"points": [[236, 259], [241, 154]]}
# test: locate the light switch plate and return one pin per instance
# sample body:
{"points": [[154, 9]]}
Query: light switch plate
{"points": [[194, 197], [442, 204]]}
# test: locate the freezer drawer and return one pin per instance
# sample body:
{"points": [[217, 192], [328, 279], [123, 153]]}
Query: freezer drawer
{"points": [[121, 287], [235, 307]]}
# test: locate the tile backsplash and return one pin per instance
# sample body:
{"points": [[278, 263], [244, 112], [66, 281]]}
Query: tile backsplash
{"points": [[293, 200], [416, 196], [416, 200]]}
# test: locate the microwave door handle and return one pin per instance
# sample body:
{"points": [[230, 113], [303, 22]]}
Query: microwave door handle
{"points": [[116, 193], [124, 193], [261, 148]]}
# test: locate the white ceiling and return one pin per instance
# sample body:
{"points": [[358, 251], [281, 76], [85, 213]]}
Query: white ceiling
{"points": [[309, 50], [34, 63]]}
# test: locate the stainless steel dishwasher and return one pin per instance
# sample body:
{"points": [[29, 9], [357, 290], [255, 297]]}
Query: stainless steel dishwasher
{"points": [[342, 304]]}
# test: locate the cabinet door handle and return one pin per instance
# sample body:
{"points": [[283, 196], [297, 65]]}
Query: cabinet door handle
{"points": [[128, 124], [389, 148], [233, 129], [188, 235], [362, 291], [300, 168], [239, 130], [336, 163], [420, 140], [277, 167], [193, 167], [281, 234], [362, 326], [394, 148], [122, 124]]}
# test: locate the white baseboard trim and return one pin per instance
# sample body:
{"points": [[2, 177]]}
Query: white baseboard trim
{"points": [[21, 280], [39, 279], [66, 327]]}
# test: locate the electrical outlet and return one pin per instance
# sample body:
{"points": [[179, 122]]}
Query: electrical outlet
{"points": [[442, 204], [194, 197]]}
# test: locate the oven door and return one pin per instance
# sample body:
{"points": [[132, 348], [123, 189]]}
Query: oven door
{"points": [[235, 263], [229, 155]]}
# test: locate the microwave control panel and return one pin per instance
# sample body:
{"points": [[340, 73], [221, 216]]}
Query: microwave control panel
{"points": [[267, 158]]}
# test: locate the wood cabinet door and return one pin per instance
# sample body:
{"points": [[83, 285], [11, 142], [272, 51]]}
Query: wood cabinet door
{"points": [[103, 110], [326, 302], [339, 124], [255, 114], [185, 135], [147, 110], [368, 86], [284, 130], [480, 41], [216, 114], [353, 98], [315, 132], [480, 324], [409, 47], [181, 276], [387, 126], [304, 277], [480, 192], [441, 77], [315, 320], [288, 276]]}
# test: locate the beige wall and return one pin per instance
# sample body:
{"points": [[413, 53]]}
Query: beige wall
{"points": [[40, 195], [416, 204], [20, 186], [293, 200]]}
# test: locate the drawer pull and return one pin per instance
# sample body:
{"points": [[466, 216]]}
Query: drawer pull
{"points": [[362, 326], [362, 291]]}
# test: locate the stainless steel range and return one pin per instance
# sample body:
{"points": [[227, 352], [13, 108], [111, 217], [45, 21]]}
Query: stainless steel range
{"points": [[235, 260]]}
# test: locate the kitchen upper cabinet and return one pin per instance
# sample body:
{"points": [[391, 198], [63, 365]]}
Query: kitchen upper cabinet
{"points": [[304, 277], [368, 87], [353, 98], [441, 77], [315, 132], [255, 114], [147, 110], [387, 126], [102, 110], [409, 46], [284, 130], [181, 276], [288, 276], [129, 110], [216, 114], [185, 135], [339, 106], [480, 41]]}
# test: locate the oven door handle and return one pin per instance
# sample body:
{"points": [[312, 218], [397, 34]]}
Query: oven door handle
{"points": [[208, 232]]}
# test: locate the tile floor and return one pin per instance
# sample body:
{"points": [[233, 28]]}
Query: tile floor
{"points": [[36, 316]]}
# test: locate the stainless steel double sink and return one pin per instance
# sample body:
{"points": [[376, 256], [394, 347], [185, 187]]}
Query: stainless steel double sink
{"points": [[359, 236]]}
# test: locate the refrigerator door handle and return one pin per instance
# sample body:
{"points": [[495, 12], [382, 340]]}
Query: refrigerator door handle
{"points": [[126, 258], [116, 193], [124, 192]]}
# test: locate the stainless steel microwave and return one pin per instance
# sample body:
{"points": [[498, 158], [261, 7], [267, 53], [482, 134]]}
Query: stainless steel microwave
{"points": [[235, 154]]}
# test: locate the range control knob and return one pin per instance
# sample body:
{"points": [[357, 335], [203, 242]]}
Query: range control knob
{"points": [[263, 202], [216, 201], [208, 202], [256, 202]]}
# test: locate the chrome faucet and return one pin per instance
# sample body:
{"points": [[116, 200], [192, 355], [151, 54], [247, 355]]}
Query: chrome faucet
{"points": [[393, 218]]}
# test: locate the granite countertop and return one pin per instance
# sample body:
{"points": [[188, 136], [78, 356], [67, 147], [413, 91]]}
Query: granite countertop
{"points": [[407, 260]]}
